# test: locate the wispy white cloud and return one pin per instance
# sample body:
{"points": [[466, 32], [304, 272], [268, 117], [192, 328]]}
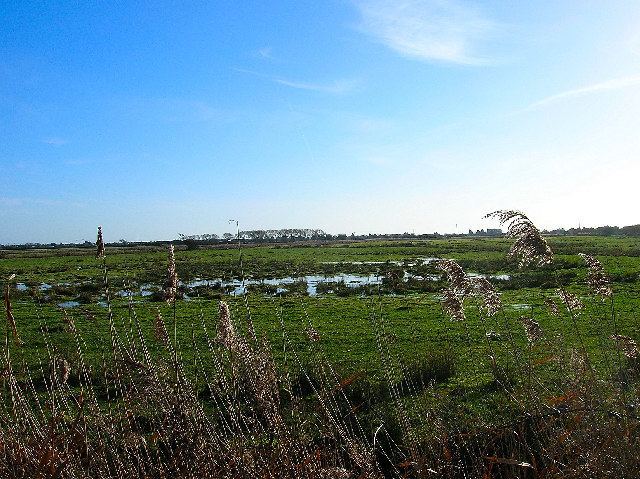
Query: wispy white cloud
{"points": [[337, 87], [609, 85], [55, 141], [436, 30], [265, 52]]}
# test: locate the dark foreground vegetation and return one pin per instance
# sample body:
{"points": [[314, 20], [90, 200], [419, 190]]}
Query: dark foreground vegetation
{"points": [[363, 361]]}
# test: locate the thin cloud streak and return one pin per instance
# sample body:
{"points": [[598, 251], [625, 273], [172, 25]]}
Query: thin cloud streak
{"points": [[338, 87], [434, 30], [55, 141], [609, 85], [265, 53]]}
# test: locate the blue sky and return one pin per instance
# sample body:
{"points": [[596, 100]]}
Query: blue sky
{"points": [[159, 118]]}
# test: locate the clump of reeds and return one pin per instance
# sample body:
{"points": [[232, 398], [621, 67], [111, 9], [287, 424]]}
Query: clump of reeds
{"points": [[313, 334]]}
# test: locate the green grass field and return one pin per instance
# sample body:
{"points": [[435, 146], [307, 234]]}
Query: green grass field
{"points": [[347, 321]]}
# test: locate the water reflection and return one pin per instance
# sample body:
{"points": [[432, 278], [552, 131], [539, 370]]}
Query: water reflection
{"points": [[68, 304]]}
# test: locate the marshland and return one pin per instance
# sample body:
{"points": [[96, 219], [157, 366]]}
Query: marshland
{"points": [[338, 239], [460, 357]]}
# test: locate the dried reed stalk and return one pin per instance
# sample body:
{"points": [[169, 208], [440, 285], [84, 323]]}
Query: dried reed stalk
{"points": [[160, 329], [11, 320], [171, 283]]}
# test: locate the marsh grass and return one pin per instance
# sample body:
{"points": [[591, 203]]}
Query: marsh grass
{"points": [[215, 402]]}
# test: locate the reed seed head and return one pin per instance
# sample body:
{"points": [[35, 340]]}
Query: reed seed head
{"points": [[61, 369], [226, 331], [334, 473], [455, 275], [597, 279], [171, 283], [160, 329], [313, 334], [552, 306], [452, 304], [265, 383], [571, 301], [578, 361], [627, 345], [99, 244], [529, 247], [71, 324], [486, 291], [532, 329], [461, 286]]}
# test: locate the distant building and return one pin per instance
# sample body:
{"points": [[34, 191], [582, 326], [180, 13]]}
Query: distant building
{"points": [[488, 232]]}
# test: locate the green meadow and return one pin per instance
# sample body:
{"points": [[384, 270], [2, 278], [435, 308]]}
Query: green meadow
{"points": [[347, 316]]}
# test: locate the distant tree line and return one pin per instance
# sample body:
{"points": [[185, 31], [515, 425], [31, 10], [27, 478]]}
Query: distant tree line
{"points": [[633, 230], [309, 234], [204, 237], [287, 235]]}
